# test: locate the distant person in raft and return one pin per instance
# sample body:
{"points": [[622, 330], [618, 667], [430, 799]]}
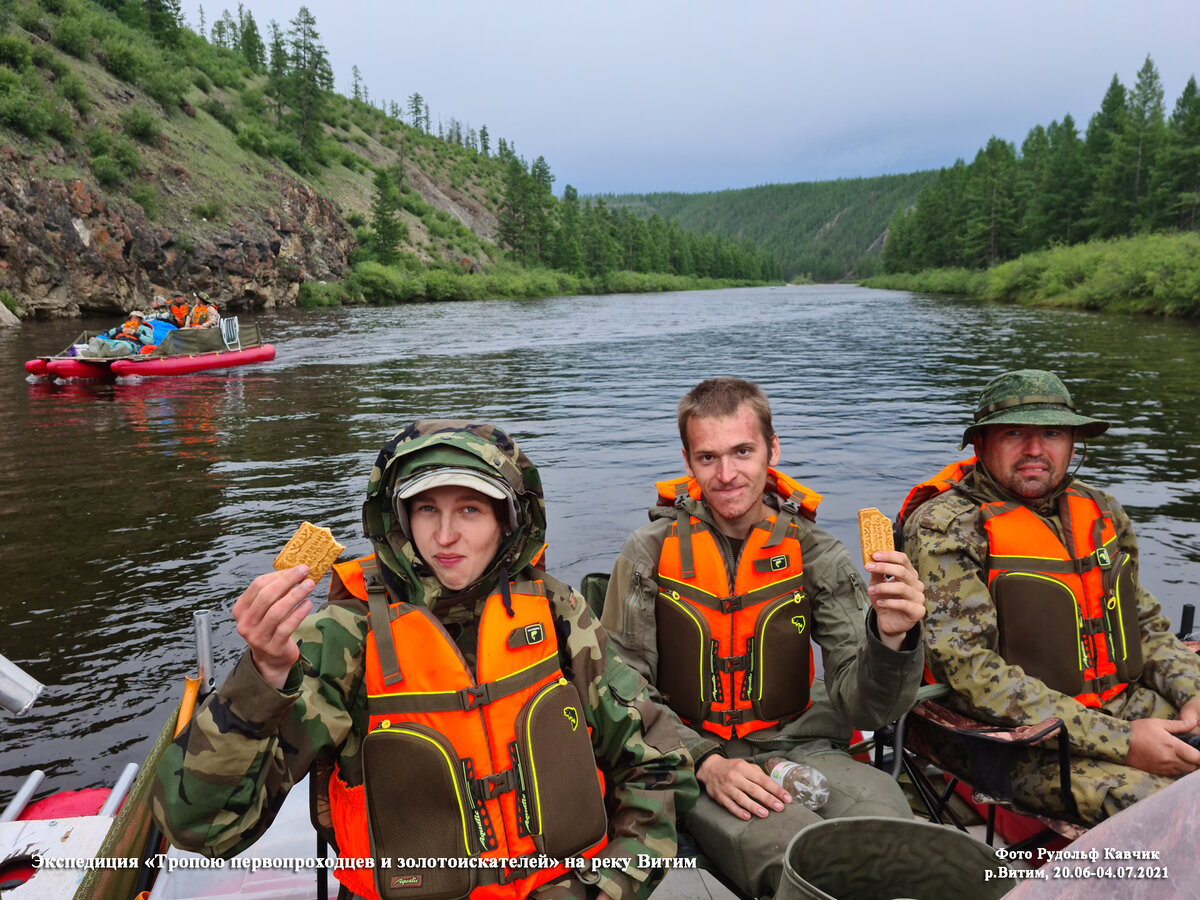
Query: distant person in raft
{"points": [[1035, 609], [178, 310], [453, 701], [122, 340], [204, 314], [720, 602]]}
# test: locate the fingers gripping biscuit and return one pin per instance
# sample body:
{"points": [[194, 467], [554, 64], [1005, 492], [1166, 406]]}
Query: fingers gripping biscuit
{"points": [[875, 531], [312, 546]]}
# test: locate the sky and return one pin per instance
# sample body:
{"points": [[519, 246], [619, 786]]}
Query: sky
{"points": [[661, 95]]}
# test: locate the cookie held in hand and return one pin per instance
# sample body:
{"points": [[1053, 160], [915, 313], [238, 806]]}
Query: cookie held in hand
{"points": [[875, 532], [313, 546]]}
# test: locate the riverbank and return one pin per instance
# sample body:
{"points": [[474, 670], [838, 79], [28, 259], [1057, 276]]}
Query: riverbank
{"points": [[377, 285], [1156, 274]]}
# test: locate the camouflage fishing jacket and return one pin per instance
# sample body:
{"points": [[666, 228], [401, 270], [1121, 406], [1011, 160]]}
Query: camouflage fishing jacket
{"points": [[949, 547], [222, 781], [867, 683]]}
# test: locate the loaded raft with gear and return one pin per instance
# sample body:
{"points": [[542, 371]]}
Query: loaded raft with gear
{"points": [[154, 346]]}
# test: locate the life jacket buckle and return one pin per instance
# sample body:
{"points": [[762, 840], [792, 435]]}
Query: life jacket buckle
{"points": [[732, 604], [732, 716], [473, 697], [489, 787], [730, 664]]}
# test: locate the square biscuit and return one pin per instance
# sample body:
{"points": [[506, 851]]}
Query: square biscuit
{"points": [[875, 532], [312, 546]]}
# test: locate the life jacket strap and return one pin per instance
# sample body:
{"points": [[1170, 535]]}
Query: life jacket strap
{"points": [[787, 514], [465, 699], [379, 620]]}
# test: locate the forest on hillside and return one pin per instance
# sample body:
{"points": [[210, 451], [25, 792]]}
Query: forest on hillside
{"points": [[1134, 171], [823, 231]]}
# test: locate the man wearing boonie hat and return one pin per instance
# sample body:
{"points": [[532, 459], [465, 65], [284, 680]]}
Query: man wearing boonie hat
{"points": [[1035, 609]]}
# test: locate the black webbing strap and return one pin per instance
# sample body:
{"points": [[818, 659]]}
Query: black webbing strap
{"points": [[467, 698], [782, 522], [379, 619], [683, 522]]}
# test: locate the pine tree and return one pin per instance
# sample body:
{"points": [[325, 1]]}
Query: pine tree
{"points": [[483, 140], [415, 106], [355, 83], [252, 47], [1143, 135], [1176, 179], [568, 252], [1060, 205], [990, 235], [277, 67], [310, 78], [1108, 213], [388, 229]]}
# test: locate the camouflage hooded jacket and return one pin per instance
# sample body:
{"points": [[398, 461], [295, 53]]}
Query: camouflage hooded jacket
{"points": [[868, 684], [224, 778], [949, 548]]}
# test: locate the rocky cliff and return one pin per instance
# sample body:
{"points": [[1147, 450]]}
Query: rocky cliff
{"points": [[65, 251]]}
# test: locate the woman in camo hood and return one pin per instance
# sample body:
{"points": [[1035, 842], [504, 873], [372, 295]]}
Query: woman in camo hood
{"points": [[454, 701]]}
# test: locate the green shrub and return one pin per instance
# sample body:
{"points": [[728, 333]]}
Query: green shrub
{"points": [[211, 210], [22, 111], [125, 153], [9, 301], [322, 293], [202, 81], [286, 149], [141, 124], [59, 122], [76, 91], [252, 138], [378, 284], [31, 18], [167, 86], [356, 219], [221, 113], [145, 196], [71, 36], [107, 170], [254, 102], [122, 59], [15, 52], [98, 141]]}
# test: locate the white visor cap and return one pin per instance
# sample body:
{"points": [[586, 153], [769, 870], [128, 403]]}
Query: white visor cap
{"points": [[453, 477]]}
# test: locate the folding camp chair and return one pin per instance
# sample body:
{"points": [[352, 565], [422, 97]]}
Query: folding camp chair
{"points": [[229, 333]]}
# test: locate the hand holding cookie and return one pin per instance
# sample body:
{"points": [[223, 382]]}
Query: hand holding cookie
{"points": [[272, 608], [895, 591]]}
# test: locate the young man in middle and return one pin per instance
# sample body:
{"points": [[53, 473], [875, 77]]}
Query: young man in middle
{"points": [[717, 602]]}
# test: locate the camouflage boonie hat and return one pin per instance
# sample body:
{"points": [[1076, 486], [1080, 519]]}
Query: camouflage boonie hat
{"points": [[1030, 397]]}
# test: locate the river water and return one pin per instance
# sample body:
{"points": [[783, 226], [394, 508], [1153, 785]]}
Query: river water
{"points": [[125, 507]]}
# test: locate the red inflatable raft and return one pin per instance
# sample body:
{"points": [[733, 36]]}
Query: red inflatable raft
{"points": [[180, 352]]}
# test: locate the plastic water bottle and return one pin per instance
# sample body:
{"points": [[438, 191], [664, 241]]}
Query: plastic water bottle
{"points": [[804, 783]]}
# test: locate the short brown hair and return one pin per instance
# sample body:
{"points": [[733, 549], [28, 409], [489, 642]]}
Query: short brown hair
{"points": [[719, 398]]}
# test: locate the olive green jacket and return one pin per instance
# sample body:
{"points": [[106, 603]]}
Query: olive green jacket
{"points": [[949, 547], [868, 684]]}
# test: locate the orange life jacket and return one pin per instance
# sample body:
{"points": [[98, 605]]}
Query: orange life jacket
{"points": [[179, 313], [199, 315], [734, 658], [1066, 612], [454, 767]]}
